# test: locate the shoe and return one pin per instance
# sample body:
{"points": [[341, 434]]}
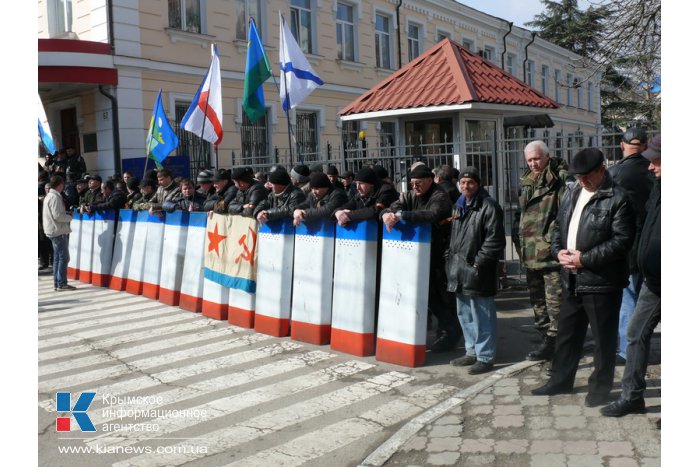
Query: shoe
{"points": [[464, 360], [620, 361], [622, 407], [548, 389], [480, 367], [444, 343], [545, 351], [65, 287], [595, 399]]}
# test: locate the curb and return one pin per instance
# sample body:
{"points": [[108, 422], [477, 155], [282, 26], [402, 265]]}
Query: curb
{"points": [[387, 449]]}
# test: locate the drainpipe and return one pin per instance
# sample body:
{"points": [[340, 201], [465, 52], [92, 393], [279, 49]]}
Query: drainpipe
{"points": [[534, 34], [110, 24], [505, 47], [398, 30], [115, 130]]}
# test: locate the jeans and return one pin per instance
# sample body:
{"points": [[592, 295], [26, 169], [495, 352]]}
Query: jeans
{"points": [[629, 301], [477, 316], [646, 316], [60, 260]]}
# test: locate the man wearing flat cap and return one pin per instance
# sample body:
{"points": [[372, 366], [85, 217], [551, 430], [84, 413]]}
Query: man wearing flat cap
{"points": [[428, 202], [300, 177], [647, 313], [591, 237], [347, 178], [371, 197], [205, 181], [250, 192], [477, 241], [147, 187], [225, 192], [282, 200], [322, 202], [631, 175], [93, 195], [333, 175]]}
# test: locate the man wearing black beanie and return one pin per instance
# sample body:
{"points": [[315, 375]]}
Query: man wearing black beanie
{"points": [[322, 202], [370, 198], [281, 201]]}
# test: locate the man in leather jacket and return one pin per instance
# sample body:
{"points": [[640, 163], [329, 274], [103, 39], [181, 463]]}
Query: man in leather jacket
{"points": [[225, 192], [188, 199], [322, 202], [250, 192], [591, 238], [114, 199], [371, 197], [282, 201], [476, 243]]}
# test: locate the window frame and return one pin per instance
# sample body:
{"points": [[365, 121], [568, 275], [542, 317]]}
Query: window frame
{"points": [[442, 32], [557, 85], [356, 6], [391, 26], [52, 11], [569, 89], [544, 71], [579, 92], [468, 44], [511, 64], [260, 19], [183, 17], [491, 52], [418, 40], [313, 46], [590, 96], [529, 72]]}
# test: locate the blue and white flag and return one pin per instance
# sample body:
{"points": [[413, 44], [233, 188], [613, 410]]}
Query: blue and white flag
{"points": [[44, 130], [297, 78]]}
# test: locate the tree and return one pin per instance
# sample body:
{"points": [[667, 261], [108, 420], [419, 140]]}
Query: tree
{"points": [[618, 40]]}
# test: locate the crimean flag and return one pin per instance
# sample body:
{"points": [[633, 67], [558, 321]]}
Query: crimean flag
{"points": [[44, 130], [161, 139], [230, 251], [297, 78], [204, 116], [257, 71]]}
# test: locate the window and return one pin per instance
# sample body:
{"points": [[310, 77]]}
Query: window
{"points": [[345, 32], [60, 13], [350, 134], [197, 149], [441, 35], [302, 25], [510, 64], [468, 44], [382, 41], [569, 89], [413, 41], [529, 67], [185, 15], [307, 132], [579, 92], [590, 96], [489, 53], [557, 85], [545, 79], [244, 9], [254, 148]]}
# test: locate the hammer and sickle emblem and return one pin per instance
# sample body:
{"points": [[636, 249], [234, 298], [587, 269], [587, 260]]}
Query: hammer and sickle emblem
{"points": [[247, 254]]}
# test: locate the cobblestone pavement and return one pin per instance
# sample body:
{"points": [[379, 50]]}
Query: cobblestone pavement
{"points": [[504, 425]]}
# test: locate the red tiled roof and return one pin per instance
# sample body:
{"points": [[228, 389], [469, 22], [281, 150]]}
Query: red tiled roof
{"points": [[447, 74]]}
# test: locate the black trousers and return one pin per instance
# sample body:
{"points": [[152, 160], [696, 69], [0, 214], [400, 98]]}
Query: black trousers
{"points": [[442, 303], [602, 311]]}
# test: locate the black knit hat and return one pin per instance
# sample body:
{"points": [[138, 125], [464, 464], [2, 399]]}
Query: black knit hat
{"points": [[316, 168], [242, 173], [133, 183], [279, 177], [367, 175], [471, 172], [380, 171], [301, 173], [585, 161], [332, 170], [319, 180], [205, 176], [422, 171], [222, 174]]}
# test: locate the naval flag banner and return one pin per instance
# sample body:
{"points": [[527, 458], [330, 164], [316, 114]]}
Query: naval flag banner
{"points": [[230, 252]]}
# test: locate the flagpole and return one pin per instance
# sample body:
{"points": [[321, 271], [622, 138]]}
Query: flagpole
{"points": [[286, 95], [145, 166], [204, 121]]}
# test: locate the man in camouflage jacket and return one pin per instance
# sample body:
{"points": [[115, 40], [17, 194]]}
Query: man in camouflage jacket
{"points": [[541, 187]]}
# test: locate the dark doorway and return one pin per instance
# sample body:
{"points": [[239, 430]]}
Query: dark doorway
{"points": [[69, 129]]}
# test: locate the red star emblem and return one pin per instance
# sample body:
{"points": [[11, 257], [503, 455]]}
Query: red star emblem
{"points": [[215, 239]]}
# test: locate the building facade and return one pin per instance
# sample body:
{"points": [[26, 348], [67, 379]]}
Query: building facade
{"points": [[102, 62]]}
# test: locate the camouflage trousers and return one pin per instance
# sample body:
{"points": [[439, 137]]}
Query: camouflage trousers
{"points": [[545, 296]]}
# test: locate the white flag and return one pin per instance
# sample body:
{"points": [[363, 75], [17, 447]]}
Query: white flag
{"points": [[297, 78]]}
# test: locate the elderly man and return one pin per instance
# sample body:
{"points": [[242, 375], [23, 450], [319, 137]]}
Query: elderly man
{"points": [[631, 174], [93, 194], [300, 175], [347, 178], [541, 188], [147, 187], [250, 192], [56, 222], [591, 236], [371, 197], [114, 198], [476, 243], [282, 200], [205, 182], [322, 202], [224, 194], [428, 202], [647, 313]]}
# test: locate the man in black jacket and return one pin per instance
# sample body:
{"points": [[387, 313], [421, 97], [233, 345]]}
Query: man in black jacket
{"points": [[282, 201], [250, 192], [428, 202], [591, 236], [112, 199], [633, 176], [322, 202], [647, 313], [476, 243], [187, 200], [225, 192], [371, 197]]}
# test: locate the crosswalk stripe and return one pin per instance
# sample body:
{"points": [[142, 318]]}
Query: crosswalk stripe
{"points": [[323, 441], [126, 352], [102, 308], [237, 402], [220, 440], [80, 336], [120, 369], [169, 376], [54, 299], [140, 311], [227, 381], [168, 345]]}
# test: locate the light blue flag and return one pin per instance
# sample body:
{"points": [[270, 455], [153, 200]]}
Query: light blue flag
{"points": [[161, 139]]}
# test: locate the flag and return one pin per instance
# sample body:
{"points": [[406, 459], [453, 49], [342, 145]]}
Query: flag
{"points": [[204, 116], [297, 78], [230, 251], [44, 130], [161, 139], [257, 71]]}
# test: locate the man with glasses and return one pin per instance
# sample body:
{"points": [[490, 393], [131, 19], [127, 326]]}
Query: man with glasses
{"points": [[632, 175], [591, 237], [428, 202]]}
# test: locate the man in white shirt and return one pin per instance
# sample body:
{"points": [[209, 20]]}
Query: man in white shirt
{"points": [[591, 237], [56, 223]]}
